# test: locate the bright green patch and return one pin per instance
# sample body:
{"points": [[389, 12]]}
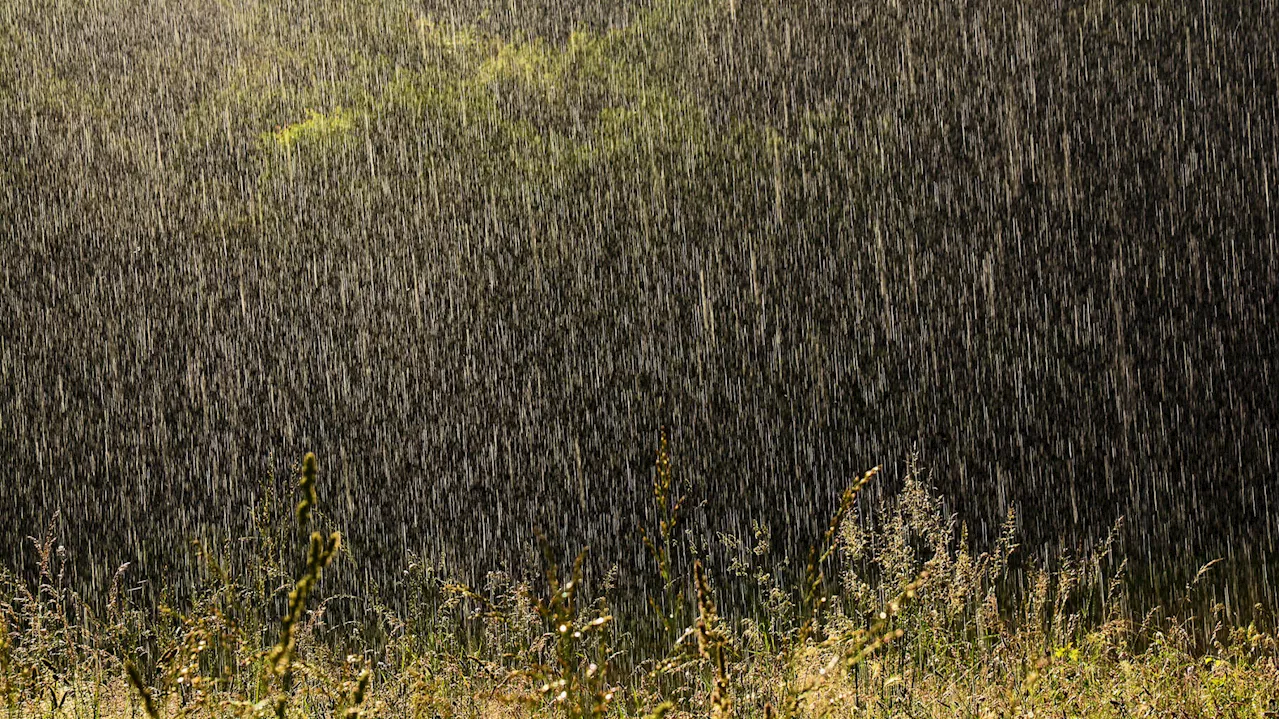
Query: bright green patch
{"points": [[317, 128]]}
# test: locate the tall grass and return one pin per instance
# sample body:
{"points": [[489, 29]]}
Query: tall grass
{"points": [[908, 623]]}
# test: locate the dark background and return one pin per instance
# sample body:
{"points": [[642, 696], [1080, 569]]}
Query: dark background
{"points": [[1035, 242]]}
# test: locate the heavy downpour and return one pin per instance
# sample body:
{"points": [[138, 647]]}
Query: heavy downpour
{"points": [[731, 358]]}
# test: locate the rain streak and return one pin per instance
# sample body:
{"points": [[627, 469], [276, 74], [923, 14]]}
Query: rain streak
{"points": [[658, 280]]}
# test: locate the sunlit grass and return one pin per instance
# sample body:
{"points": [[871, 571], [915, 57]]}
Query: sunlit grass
{"points": [[913, 628]]}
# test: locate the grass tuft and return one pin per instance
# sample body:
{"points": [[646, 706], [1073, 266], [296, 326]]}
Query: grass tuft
{"points": [[896, 618]]}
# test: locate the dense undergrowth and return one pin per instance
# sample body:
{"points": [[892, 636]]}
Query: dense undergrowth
{"points": [[894, 619]]}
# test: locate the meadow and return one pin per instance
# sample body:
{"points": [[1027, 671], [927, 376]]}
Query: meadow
{"points": [[474, 254], [903, 621]]}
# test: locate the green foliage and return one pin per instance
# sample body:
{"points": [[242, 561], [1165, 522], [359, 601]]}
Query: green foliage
{"points": [[329, 107], [318, 129]]}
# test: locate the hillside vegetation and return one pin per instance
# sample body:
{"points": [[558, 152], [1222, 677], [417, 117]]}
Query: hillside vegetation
{"points": [[480, 253]]}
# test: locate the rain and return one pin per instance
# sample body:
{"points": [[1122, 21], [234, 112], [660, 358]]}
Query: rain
{"points": [[486, 260]]}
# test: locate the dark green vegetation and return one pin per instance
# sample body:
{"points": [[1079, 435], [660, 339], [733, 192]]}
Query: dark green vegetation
{"points": [[477, 257], [907, 623]]}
